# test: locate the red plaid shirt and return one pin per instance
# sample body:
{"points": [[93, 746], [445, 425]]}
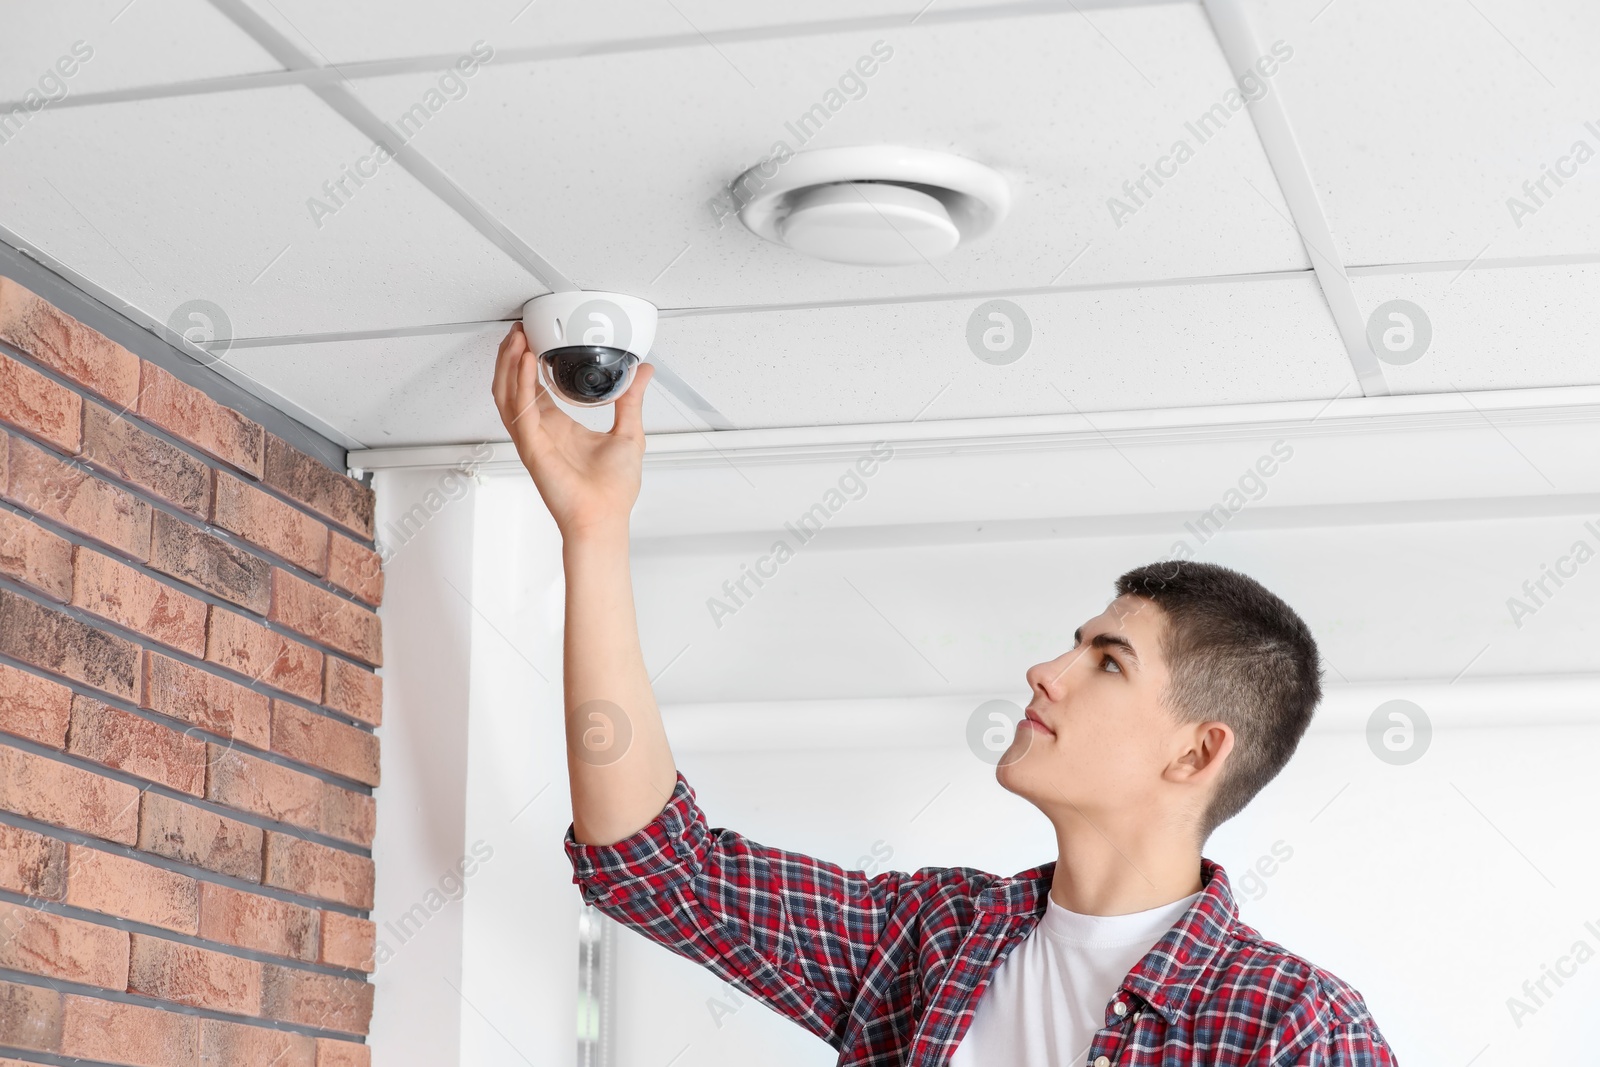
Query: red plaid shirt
{"points": [[888, 969]]}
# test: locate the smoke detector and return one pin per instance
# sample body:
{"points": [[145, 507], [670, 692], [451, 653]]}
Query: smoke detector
{"points": [[872, 205]]}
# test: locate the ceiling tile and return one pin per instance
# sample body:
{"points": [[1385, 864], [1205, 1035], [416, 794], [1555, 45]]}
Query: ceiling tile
{"points": [[1421, 121], [210, 199], [1231, 342], [1500, 328], [607, 167], [359, 30], [425, 390], [123, 44]]}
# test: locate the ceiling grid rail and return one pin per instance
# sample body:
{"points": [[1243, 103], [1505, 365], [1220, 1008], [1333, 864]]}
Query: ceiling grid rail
{"points": [[1241, 47]]}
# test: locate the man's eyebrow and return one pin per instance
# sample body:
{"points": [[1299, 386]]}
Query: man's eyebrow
{"points": [[1109, 641]]}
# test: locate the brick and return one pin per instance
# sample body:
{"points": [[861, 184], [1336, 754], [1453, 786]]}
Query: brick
{"points": [[32, 864], [34, 707], [250, 920], [34, 556], [326, 618], [347, 751], [198, 977], [30, 401], [311, 998], [62, 343], [348, 941], [56, 946], [353, 690], [133, 1034], [334, 1053], [348, 815], [327, 492], [316, 870], [137, 746], [36, 787], [194, 835], [74, 497], [30, 1017], [241, 645], [206, 700], [119, 885], [225, 1044], [355, 568], [117, 593], [206, 561], [269, 523], [190, 415], [141, 458], [63, 645], [251, 784]]}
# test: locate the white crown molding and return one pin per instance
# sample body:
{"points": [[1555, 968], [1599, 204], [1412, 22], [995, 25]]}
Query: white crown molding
{"points": [[1562, 405]]}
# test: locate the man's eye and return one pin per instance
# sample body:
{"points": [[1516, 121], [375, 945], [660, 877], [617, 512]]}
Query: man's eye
{"points": [[1113, 664]]}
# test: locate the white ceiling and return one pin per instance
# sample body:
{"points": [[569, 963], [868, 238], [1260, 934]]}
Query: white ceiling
{"points": [[584, 153]]}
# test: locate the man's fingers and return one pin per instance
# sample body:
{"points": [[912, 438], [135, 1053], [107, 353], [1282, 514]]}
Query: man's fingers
{"points": [[523, 418], [628, 418], [505, 364]]}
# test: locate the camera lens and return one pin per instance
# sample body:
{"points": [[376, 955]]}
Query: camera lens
{"points": [[589, 375]]}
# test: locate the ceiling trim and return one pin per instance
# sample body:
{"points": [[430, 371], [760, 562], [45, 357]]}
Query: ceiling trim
{"points": [[1231, 24], [1048, 433], [146, 338], [936, 721]]}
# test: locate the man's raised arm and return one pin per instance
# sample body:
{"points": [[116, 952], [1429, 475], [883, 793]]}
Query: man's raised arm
{"points": [[618, 760]]}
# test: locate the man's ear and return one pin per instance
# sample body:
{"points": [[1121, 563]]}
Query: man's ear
{"points": [[1203, 750]]}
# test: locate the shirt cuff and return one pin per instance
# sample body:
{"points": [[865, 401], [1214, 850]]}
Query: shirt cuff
{"points": [[661, 855]]}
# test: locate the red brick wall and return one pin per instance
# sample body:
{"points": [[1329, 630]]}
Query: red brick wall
{"points": [[187, 697]]}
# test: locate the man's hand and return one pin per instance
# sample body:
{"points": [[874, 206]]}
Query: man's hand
{"points": [[588, 480]]}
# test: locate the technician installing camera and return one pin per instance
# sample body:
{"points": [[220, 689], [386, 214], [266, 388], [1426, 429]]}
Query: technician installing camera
{"points": [[1171, 710]]}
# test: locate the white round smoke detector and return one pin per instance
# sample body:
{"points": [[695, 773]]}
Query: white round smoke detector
{"points": [[874, 205]]}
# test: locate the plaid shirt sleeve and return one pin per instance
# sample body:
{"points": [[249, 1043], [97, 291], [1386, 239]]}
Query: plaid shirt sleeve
{"points": [[795, 932]]}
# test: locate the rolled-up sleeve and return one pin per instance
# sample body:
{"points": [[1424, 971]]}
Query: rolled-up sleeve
{"points": [[659, 856], [795, 932]]}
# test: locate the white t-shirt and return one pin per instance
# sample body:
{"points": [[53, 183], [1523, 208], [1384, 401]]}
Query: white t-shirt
{"points": [[1047, 1000]]}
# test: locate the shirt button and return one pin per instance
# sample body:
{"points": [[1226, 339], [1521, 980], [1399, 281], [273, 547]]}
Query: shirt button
{"points": [[1120, 1008], [1102, 1062]]}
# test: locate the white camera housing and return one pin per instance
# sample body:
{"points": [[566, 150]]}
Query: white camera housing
{"points": [[589, 344]]}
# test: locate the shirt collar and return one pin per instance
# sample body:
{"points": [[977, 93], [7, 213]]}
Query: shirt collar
{"points": [[1169, 974]]}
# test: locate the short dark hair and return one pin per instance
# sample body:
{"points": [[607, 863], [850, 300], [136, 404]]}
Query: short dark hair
{"points": [[1239, 654]]}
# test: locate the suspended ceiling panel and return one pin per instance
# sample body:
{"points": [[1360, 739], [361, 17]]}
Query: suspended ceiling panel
{"points": [[620, 196], [123, 44], [432, 389], [368, 30], [1421, 120], [1113, 349], [1503, 328], [207, 199]]}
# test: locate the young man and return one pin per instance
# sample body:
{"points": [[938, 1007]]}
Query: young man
{"points": [[1172, 709]]}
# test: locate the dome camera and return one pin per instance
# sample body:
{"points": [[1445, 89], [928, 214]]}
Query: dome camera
{"points": [[589, 344]]}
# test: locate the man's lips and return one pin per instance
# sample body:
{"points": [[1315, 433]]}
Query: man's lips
{"points": [[1032, 717]]}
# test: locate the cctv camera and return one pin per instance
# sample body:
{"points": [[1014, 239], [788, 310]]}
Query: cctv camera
{"points": [[588, 344]]}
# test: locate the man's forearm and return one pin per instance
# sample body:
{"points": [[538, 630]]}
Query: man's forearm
{"points": [[620, 764]]}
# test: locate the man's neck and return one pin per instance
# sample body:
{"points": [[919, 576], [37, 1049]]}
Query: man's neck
{"points": [[1112, 873]]}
